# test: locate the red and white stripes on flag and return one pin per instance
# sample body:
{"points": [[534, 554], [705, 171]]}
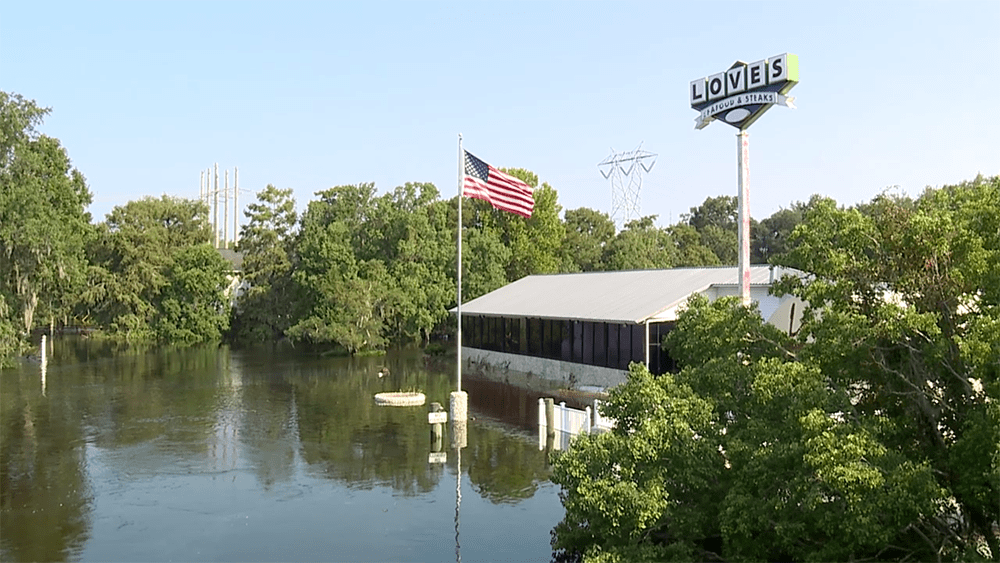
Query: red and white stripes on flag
{"points": [[502, 191]]}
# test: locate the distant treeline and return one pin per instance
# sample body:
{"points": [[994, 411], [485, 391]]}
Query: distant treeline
{"points": [[355, 272]]}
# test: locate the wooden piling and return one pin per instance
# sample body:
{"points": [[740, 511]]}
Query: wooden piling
{"points": [[550, 416]]}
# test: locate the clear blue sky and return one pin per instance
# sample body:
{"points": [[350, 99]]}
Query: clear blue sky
{"points": [[146, 95]]}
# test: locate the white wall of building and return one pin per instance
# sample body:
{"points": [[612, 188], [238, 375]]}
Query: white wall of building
{"points": [[538, 373]]}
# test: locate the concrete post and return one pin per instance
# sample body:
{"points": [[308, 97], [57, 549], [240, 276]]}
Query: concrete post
{"points": [[459, 405], [459, 418]]}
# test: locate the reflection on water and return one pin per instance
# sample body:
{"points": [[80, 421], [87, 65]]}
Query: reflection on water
{"points": [[458, 504], [210, 454]]}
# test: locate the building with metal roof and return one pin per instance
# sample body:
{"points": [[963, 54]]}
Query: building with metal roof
{"points": [[584, 329]]}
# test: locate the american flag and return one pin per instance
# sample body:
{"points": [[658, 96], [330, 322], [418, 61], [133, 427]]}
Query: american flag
{"points": [[503, 191]]}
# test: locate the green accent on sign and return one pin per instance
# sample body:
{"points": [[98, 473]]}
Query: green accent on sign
{"points": [[793, 72]]}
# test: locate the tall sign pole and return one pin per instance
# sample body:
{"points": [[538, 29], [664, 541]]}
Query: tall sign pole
{"points": [[743, 200], [739, 96]]}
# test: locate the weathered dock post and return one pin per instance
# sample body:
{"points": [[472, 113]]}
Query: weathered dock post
{"points": [[550, 424], [550, 416]]}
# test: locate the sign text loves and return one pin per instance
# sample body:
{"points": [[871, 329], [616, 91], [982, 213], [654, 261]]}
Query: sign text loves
{"points": [[741, 94]]}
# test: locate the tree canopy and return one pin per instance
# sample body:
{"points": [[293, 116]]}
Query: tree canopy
{"points": [[869, 434], [43, 223], [154, 275]]}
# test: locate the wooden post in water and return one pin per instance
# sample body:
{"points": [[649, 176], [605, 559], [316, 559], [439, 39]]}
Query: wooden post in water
{"points": [[550, 416], [550, 423]]}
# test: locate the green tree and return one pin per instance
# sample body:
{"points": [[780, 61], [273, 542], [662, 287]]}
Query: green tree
{"points": [[266, 309], [43, 222], [423, 249], [641, 245], [588, 233], [535, 243], [905, 297], [690, 250], [345, 300], [717, 222], [721, 212], [532, 245], [771, 237], [10, 342], [724, 244], [869, 435], [191, 306], [484, 258], [142, 262]]}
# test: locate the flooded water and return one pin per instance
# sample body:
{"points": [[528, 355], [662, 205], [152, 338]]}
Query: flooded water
{"points": [[207, 454]]}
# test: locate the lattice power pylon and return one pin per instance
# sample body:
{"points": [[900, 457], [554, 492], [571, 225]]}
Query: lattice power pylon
{"points": [[625, 170]]}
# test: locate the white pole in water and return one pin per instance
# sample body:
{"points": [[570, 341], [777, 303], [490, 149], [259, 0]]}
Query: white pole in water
{"points": [[458, 285], [44, 363], [458, 506], [459, 399]]}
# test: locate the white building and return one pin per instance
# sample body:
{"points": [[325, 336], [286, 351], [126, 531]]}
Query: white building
{"points": [[582, 330]]}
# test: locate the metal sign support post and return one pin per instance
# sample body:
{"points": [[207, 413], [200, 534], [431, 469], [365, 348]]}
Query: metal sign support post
{"points": [[743, 163]]}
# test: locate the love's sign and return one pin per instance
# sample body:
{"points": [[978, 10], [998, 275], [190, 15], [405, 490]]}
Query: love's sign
{"points": [[740, 95]]}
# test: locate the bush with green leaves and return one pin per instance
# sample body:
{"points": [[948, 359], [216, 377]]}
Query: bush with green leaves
{"points": [[872, 433]]}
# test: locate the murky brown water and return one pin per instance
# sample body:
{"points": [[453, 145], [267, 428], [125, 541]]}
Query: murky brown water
{"points": [[207, 454]]}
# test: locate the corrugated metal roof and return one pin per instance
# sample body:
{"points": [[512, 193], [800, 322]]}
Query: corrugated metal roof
{"points": [[622, 297]]}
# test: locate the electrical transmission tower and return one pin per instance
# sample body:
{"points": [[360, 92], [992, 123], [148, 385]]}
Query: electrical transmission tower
{"points": [[625, 170], [210, 194]]}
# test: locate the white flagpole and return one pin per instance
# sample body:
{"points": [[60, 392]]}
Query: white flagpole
{"points": [[459, 399], [461, 181]]}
